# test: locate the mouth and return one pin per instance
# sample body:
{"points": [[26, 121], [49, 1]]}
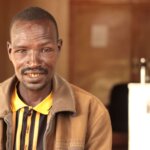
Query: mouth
{"points": [[34, 75]]}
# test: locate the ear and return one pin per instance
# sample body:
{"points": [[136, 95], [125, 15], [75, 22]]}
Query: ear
{"points": [[9, 49], [59, 43]]}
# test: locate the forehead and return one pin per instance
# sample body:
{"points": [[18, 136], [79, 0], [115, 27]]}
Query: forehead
{"points": [[29, 29]]}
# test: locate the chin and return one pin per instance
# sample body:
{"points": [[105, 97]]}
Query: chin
{"points": [[35, 87]]}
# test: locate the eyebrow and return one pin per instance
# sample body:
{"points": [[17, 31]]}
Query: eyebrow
{"points": [[19, 46], [46, 42]]}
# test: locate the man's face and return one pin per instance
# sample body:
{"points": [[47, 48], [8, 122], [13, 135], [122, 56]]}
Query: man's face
{"points": [[34, 51]]}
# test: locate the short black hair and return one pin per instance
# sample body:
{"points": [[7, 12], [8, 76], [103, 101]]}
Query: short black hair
{"points": [[34, 13]]}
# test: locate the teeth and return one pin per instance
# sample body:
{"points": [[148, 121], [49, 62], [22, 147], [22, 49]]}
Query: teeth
{"points": [[34, 75]]}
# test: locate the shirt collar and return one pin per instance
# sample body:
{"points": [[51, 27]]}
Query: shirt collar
{"points": [[43, 107]]}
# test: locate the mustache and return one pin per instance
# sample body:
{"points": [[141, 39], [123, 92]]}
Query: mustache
{"points": [[39, 69]]}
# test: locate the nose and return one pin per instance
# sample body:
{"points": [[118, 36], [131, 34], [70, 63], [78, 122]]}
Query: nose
{"points": [[34, 59]]}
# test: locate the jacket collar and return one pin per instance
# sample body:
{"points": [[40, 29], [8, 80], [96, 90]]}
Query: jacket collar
{"points": [[63, 97], [6, 89]]}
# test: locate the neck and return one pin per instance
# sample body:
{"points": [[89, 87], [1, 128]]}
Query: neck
{"points": [[33, 97]]}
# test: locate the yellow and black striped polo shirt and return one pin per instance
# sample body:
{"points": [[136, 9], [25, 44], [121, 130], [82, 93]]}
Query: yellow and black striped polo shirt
{"points": [[29, 123]]}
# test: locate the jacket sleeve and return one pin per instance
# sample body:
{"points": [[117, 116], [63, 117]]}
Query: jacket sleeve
{"points": [[99, 133]]}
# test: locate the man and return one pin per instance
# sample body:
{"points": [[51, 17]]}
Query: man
{"points": [[39, 110]]}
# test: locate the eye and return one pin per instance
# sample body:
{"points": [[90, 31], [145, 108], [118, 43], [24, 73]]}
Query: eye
{"points": [[22, 50], [47, 50]]}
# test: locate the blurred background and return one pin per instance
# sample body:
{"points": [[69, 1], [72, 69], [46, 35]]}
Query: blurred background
{"points": [[103, 42]]}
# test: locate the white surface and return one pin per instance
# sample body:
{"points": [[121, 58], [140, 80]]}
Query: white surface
{"points": [[139, 116]]}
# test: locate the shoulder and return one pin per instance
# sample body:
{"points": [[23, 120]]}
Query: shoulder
{"points": [[86, 99], [89, 105], [7, 86], [8, 82]]}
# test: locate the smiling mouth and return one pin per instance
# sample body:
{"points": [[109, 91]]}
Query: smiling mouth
{"points": [[34, 75]]}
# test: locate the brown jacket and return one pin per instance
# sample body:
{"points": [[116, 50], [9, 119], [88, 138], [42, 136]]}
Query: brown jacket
{"points": [[77, 119]]}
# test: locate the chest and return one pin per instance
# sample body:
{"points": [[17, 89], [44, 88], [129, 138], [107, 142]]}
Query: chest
{"points": [[62, 132]]}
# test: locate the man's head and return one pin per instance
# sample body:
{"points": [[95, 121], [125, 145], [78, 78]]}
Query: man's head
{"points": [[34, 47], [34, 13]]}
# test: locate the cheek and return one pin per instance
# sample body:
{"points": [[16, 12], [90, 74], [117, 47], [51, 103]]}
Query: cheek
{"points": [[52, 60], [17, 64], [18, 60]]}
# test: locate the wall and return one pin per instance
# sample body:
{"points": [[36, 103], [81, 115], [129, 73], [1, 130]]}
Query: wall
{"points": [[100, 46], [3, 37], [108, 38], [60, 9]]}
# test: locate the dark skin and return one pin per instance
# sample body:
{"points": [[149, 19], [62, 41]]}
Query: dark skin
{"points": [[34, 50]]}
